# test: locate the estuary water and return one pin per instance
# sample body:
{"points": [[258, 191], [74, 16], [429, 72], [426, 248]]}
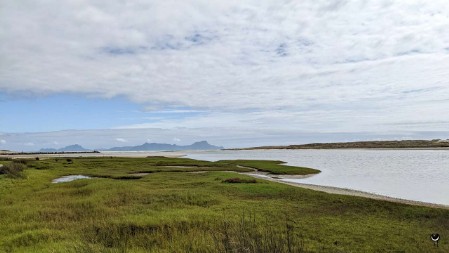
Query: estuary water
{"points": [[420, 175]]}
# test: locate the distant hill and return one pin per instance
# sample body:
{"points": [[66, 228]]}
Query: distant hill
{"points": [[201, 145], [5, 152], [437, 143], [71, 148]]}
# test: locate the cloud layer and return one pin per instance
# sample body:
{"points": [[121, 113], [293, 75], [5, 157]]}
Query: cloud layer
{"points": [[305, 65]]}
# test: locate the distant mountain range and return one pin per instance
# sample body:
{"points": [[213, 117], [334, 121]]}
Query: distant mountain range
{"points": [[201, 145], [71, 148]]}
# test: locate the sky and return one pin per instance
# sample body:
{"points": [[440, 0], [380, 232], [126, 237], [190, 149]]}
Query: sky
{"points": [[105, 73]]}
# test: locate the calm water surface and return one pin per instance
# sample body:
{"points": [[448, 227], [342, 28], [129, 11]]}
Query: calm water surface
{"points": [[71, 178], [421, 175]]}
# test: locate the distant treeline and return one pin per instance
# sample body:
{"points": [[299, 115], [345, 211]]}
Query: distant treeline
{"points": [[437, 143], [49, 153]]}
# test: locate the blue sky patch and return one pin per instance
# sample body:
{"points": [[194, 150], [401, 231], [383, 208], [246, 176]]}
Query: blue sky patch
{"points": [[64, 111]]}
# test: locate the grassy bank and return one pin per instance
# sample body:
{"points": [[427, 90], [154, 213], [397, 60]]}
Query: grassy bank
{"points": [[273, 167], [184, 205], [402, 144]]}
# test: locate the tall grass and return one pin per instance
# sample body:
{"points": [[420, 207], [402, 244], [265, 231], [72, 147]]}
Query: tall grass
{"points": [[242, 234], [249, 235]]}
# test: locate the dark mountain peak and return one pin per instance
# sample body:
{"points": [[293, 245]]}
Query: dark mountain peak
{"points": [[70, 148], [74, 146], [203, 145], [201, 142], [200, 145]]}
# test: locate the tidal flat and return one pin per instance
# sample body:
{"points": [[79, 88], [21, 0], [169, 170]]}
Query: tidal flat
{"points": [[157, 204]]}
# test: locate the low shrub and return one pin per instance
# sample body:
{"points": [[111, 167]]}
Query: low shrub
{"points": [[13, 170], [39, 166], [20, 161], [237, 180]]}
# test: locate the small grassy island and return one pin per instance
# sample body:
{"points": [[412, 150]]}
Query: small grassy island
{"points": [[159, 204]]}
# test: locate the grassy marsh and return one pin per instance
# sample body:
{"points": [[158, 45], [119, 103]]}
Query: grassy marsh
{"points": [[174, 210]]}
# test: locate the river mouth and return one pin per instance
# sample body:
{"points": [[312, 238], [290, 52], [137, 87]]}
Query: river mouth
{"points": [[70, 178]]}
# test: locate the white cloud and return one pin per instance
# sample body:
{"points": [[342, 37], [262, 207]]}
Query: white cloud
{"points": [[222, 55], [176, 139], [2, 141], [28, 144], [326, 66], [121, 140]]}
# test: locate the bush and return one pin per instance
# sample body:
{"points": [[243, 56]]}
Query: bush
{"points": [[20, 161], [13, 170], [237, 180]]}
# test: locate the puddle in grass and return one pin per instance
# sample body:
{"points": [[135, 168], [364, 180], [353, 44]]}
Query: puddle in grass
{"points": [[142, 174], [70, 178]]}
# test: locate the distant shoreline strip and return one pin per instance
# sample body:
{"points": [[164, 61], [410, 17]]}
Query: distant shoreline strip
{"points": [[51, 153]]}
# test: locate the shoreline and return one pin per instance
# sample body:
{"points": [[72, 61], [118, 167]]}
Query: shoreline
{"points": [[338, 190], [130, 154], [367, 144], [419, 148]]}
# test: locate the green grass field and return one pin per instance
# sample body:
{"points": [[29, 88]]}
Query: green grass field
{"points": [[174, 209]]}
